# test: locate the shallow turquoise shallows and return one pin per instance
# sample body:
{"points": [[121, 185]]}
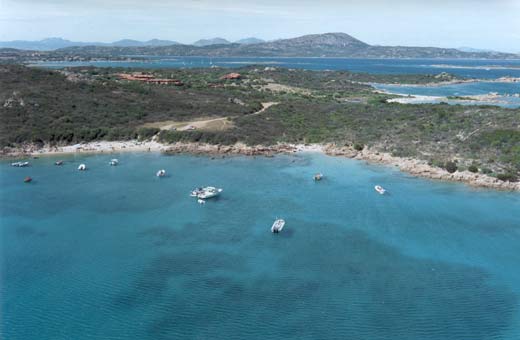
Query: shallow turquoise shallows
{"points": [[118, 253]]}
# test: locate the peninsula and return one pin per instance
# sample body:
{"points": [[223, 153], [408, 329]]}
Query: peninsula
{"points": [[257, 110]]}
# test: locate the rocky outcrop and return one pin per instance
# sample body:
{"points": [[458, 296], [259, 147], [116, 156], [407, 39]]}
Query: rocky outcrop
{"points": [[421, 168], [235, 149]]}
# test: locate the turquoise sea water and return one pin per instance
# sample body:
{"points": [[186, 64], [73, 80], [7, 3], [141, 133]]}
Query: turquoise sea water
{"points": [[117, 253], [463, 89], [508, 92]]}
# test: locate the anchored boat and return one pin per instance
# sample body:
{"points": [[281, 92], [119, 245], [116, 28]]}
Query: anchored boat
{"points": [[380, 189], [58, 163], [20, 164], [82, 167], [277, 225], [318, 177], [161, 173], [206, 192], [114, 162], [27, 179]]}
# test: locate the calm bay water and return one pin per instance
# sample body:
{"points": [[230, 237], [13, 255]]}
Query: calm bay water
{"points": [[117, 253]]}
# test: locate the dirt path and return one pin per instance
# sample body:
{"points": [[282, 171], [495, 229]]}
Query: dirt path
{"points": [[265, 106], [213, 124]]}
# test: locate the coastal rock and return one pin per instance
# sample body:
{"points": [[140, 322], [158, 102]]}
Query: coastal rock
{"points": [[421, 168]]}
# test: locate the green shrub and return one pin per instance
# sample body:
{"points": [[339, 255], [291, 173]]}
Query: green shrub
{"points": [[358, 146], [508, 176], [147, 133], [473, 168], [450, 166]]}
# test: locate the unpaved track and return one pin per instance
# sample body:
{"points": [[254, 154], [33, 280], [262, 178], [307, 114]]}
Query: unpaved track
{"points": [[213, 124]]}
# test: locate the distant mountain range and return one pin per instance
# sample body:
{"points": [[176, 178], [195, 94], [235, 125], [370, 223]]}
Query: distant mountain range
{"points": [[209, 42], [339, 45], [51, 44]]}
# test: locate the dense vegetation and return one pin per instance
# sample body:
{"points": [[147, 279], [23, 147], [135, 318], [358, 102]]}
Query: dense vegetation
{"points": [[43, 106], [85, 104]]}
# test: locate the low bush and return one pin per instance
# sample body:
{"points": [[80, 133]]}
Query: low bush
{"points": [[450, 166], [507, 177], [358, 146], [473, 168]]}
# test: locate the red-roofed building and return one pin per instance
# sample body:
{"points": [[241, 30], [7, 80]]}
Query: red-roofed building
{"points": [[231, 76]]}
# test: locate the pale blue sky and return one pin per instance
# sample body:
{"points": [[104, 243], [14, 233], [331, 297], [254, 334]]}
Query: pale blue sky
{"points": [[493, 24]]}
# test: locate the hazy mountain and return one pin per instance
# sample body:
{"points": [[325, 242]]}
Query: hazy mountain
{"points": [[339, 45], [130, 42], [158, 42], [248, 41], [41, 45], [50, 44], [209, 42]]}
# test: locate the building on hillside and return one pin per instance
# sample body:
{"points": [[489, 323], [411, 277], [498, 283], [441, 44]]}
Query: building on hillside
{"points": [[231, 76]]}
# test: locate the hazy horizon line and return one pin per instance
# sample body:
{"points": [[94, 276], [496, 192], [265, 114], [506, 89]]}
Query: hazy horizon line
{"points": [[101, 41]]}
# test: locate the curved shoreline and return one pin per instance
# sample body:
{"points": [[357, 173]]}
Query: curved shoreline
{"points": [[415, 167]]}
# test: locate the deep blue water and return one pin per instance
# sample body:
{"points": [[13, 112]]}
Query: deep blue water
{"points": [[117, 253], [481, 69]]}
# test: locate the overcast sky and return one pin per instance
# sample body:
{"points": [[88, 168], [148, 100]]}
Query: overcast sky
{"points": [[491, 24]]}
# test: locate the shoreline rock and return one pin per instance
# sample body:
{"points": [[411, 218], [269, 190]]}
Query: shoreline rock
{"points": [[421, 168]]}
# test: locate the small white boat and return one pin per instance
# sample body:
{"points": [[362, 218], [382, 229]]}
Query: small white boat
{"points": [[201, 201], [318, 176], [20, 164], [277, 225], [114, 162], [380, 189], [161, 173], [82, 167], [206, 192]]}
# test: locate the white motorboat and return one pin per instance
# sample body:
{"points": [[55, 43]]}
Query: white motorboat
{"points": [[206, 192], [380, 189], [82, 167], [318, 176], [20, 164], [114, 162], [201, 201], [277, 225], [161, 173]]}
